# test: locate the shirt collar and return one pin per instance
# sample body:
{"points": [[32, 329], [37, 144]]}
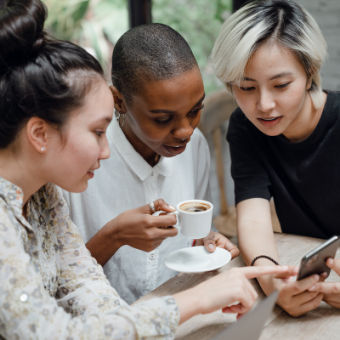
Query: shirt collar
{"points": [[133, 159], [13, 196]]}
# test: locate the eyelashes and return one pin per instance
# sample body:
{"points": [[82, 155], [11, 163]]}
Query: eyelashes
{"points": [[247, 89], [167, 121]]}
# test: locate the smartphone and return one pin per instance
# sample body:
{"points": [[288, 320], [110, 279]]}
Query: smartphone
{"points": [[315, 261]]}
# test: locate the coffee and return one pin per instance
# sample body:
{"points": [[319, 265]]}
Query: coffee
{"points": [[194, 207]]}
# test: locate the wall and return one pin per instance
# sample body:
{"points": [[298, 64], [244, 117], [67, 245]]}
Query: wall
{"points": [[327, 15]]}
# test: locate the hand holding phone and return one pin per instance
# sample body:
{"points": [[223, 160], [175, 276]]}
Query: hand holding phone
{"points": [[315, 261]]}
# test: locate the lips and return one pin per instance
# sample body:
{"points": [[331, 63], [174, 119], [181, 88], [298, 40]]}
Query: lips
{"points": [[175, 150], [269, 121], [91, 172]]}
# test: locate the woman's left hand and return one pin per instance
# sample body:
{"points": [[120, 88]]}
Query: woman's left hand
{"points": [[330, 290], [214, 240]]}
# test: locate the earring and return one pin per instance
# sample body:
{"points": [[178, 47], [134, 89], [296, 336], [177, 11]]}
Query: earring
{"points": [[118, 118], [43, 149]]}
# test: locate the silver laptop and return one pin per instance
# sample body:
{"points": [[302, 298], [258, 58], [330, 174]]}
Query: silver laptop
{"points": [[250, 325]]}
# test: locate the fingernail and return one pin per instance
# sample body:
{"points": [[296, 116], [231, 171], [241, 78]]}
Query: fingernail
{"points": [[330, 261], [324, 274], [171, 207], [316, 277], [211, 246], [312, 288]]}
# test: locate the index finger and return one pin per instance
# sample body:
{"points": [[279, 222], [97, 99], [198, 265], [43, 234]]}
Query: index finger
{"points": [[253, 272]]}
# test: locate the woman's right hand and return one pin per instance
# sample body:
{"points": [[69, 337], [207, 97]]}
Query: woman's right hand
{"points": [[294, 296], [136, 228], [225, 289]]}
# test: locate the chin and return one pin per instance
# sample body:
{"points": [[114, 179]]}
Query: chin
{"points": [[270, 132], [80, 187]]}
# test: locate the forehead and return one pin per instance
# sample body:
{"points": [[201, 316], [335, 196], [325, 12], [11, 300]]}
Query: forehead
{"points": [[174, 94], [271, 59], [98, 105]]}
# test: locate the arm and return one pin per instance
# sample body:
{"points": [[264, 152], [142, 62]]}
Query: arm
{"points": [[256, 238], [28, 311], [135, 228]]}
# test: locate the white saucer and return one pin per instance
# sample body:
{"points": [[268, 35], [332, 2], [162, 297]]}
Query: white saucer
{"points": [[197, 259]]}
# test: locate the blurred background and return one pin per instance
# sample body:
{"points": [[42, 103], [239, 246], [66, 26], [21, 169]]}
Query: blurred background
{"points": [[96, 25]]}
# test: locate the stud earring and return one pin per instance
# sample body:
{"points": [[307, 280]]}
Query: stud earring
{"points": [[43, 149]]}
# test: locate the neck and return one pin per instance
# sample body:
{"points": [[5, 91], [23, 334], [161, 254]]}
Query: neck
{"points": [[150, 156], [305, 122], [21, 172]]}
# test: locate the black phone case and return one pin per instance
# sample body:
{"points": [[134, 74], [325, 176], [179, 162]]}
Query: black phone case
{"points": [[315, 261]]}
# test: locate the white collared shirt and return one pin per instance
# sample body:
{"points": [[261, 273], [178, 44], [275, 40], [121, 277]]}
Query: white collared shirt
{"points": [[126, 181]]}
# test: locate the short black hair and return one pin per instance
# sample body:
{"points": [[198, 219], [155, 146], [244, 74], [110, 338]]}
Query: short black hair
{"points": [[39, 75], [148, 53]]}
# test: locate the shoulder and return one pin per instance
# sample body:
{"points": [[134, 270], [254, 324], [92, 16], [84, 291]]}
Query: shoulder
{"points": [[334, 98], [240, 127], [237, 120]]}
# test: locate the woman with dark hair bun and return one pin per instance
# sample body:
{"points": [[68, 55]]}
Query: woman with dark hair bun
{"points": [[52, 132]]}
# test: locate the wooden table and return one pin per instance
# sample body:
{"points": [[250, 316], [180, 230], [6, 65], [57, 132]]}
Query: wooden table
{"points": [[321, 323]]}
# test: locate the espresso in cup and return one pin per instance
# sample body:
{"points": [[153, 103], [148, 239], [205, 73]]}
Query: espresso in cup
{"points": [[194, 218], [194, 207]]}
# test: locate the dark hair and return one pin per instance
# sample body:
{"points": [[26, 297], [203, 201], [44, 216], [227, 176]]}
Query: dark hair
{"points": [[39, 76], [146, 53]]}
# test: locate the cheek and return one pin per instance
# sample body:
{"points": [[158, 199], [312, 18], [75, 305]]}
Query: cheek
{"points": [[82, 152], [246, 102], [149, 133], [291, 102]]}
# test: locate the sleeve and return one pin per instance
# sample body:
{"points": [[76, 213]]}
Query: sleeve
{"points": [[88, 307], [250, 177]]}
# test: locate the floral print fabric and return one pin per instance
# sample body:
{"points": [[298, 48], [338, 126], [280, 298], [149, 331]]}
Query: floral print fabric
{"points": [[51, 287]]}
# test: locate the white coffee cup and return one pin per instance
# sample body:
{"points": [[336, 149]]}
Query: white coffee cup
{"points": [[194, 225]]}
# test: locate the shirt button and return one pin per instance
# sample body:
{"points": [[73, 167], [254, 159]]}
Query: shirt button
{"points": [[151, 173], [152, 256]]}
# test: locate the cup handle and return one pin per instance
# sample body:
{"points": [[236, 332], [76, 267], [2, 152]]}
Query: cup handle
{"points": [[177, 224]]}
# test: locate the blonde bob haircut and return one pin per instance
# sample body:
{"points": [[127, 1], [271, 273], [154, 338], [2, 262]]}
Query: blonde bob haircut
{"points": [[269, 21]]}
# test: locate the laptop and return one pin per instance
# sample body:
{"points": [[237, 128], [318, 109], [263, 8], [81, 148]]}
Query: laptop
{"points": [[250, 326]]}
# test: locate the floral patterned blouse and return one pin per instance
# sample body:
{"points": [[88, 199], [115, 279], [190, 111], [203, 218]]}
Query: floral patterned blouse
{"points": [[51, 287]]}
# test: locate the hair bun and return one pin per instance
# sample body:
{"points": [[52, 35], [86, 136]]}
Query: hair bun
{"points": [[21, 31]]}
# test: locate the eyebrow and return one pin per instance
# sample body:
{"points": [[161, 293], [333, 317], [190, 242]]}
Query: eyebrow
{"points": [[173, 112], [105, 119], [283, 74]]}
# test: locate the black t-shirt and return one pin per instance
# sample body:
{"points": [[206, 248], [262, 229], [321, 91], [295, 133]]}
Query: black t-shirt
{"points": [[303, 178]]}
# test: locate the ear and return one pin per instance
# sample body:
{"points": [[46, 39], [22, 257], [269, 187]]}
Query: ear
{"points": [[118, 99], [310, 78], [37, 130]]}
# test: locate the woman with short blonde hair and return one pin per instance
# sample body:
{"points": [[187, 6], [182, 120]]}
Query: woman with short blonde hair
{"points": [[283, 138]]}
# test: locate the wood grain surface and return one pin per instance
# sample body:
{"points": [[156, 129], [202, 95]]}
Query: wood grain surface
{"points": [[322, 323]]}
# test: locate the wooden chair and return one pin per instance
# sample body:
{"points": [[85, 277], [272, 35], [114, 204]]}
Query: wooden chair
{"points": [[217, 110]]}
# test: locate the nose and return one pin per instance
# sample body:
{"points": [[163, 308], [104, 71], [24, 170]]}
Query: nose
{"points": [[265, 102], [105, 149], [184, 130]]}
